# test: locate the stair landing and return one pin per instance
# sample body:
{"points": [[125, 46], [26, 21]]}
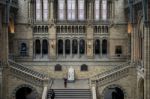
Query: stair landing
{"points": [[77, 84]]}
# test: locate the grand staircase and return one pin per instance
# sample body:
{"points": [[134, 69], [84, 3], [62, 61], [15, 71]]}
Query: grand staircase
{"points": [[71, 94], [27, 74], [114, 74]]}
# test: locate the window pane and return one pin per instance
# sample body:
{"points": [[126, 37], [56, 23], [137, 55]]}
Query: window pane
{"points": [[71, 9], [81, 9], [61, 7], [45, 10], [104, 10], [97, 10], [38, 10]]}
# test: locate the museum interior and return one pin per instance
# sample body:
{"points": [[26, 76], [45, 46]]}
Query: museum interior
{"points": [[76, 49]]}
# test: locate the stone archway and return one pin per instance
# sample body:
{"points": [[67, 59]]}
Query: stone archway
{"points": [[141, 88], [25, 92], [114, 92]]}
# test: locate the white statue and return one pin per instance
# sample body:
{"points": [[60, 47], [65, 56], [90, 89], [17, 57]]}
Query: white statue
{"points": [[71, 74]]}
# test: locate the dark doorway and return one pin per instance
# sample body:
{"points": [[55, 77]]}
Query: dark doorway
{"points": [[60, 46], [37, 47], [104, 47], [97, 46], [45, 47], [74, 46], [67, 46], [114, 93], [82, 46], [23, 93], [23, 50]]}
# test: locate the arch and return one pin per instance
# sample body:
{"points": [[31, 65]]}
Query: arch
{"points": [[141, 88], [67, 46], [60, 46], [43, 29], [39, 29], [25, 91], [58, 67], [46, 29], [35, 29], [23, 50], [97, 46], [74, 46], [37, 46], [114, 92], [82, 46], [45, 47], [104, 47], [84, 67]]}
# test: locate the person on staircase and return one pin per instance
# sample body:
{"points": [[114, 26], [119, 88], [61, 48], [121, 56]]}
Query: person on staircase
{"points": [[65, 82], [52, 94]]}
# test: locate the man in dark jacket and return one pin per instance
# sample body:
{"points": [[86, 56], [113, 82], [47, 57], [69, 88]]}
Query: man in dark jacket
{"points": [[52, 94]]}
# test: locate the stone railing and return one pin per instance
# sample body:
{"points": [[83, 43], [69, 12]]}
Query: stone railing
{"points": [[108, 76], [27, 74]]}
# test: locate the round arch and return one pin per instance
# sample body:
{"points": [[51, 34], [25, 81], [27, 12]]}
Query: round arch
{"points": [[141, 88], [29, 88], [113, 90]]}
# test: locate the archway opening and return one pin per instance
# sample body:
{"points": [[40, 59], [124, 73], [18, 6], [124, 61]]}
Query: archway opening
{"points": [[60, 46], [45, 47], [104, 47], [97, 46], [74, 46], [82, 46], [67, 46], [25, 93], [37, 47], [141, 89], [114, 93]]}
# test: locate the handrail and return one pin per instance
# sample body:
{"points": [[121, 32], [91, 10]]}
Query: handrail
{"points": [[26, 70], [95, 77]]}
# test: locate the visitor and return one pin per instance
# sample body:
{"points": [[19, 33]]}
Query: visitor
{"points": [[52, 94], [65, 82]]}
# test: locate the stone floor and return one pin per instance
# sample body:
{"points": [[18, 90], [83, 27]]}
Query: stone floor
{"points": [[77, 84]]}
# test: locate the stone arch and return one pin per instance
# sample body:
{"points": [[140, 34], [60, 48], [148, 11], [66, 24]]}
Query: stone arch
{"points": [[141, 88], [113, 87], [84, 67], [34, 91]]}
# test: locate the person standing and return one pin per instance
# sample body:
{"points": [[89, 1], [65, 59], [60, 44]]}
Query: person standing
{"points": [[65, 82], [52, 94]]}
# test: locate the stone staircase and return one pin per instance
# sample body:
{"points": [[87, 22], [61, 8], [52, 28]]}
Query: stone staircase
{"points": [[27, 74], [111, 75], [71, 94]]}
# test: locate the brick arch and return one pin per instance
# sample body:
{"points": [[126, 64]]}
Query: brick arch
{"points": [[24, 85], [112, 86]]}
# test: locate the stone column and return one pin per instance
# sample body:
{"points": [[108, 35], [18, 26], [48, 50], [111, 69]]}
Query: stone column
{"points": [[52, 32], [147, 61], [90, 30]]}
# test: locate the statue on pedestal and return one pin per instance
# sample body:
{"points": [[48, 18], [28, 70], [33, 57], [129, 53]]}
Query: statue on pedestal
{"points": [[71, 74]]}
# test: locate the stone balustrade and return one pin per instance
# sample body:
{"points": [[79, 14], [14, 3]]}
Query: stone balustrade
{"points": [[27, 74]]}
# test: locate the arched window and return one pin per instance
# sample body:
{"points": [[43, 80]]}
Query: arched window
{"points": [[104, 9], [74, 46], [71, 12], [97, 46], [38, 10], [104, 46], [58, 67], [67, 46], [60, 46], [84, 67], [45, 10], [82, 46], [61, 9], [41, 10], [81, 5], [37, 47], [23, 50], [46, 29], [118, 50], [45, 47]]}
